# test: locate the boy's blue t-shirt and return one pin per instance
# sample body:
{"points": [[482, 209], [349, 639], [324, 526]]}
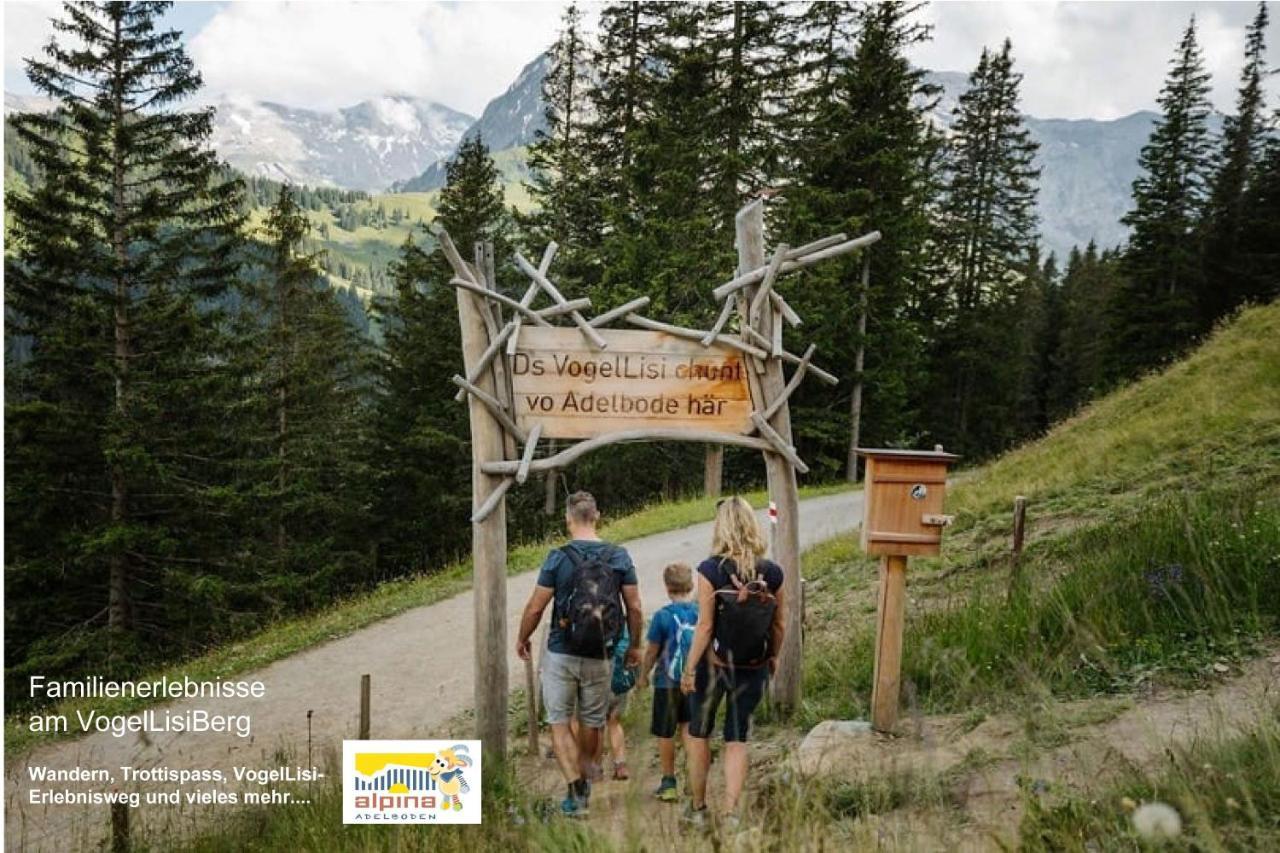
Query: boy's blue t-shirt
{"points": [[664, 630], [557, 574]]}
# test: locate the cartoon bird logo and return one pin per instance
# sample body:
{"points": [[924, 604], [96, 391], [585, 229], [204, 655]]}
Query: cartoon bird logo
{"points": [[446, 770]]}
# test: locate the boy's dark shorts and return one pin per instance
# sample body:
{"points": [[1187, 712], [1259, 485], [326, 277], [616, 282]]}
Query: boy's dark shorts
{"points": [[670, 709], [741, 688]]}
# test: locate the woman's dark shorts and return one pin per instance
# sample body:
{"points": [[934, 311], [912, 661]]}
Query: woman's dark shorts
{"points": [[741, 689], [670, 709]]}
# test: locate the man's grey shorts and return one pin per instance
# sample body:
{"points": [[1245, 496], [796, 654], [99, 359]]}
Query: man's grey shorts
{"points": [[571, 684]]}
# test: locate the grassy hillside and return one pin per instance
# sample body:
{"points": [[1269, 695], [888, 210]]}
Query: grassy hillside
{"points": [[1153, 566], [361, 238]]}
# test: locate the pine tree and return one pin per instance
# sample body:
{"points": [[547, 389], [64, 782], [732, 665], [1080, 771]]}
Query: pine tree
{"points": [[986, 233], [1244, 135], [122, 252], [1155, 313], [422, 458], [863, 146]]}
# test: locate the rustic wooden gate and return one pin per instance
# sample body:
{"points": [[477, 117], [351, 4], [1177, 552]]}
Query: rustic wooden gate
{"points": [[529, 380]]}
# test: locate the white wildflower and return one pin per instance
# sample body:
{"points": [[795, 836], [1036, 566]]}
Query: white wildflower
{"points": [[1157, 820]]}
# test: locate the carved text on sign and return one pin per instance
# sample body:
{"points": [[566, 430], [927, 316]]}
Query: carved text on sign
{"points": [[642, 380]]}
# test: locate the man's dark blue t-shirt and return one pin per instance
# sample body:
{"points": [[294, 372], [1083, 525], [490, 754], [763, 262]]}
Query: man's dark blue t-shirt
{"points": [[557, 574]]}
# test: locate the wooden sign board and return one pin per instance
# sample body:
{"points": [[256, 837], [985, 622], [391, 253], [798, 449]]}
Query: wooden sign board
{"points": [[643, 380]]}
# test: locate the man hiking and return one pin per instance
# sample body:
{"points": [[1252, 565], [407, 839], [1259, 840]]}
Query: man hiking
{"points": [[593, 584]]}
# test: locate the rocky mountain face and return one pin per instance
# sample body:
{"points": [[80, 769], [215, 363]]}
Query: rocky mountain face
{"points": [[398, 142], [368, 146], [510, 120]]}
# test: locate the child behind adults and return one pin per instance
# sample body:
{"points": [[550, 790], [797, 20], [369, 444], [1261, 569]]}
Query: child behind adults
{"points": [[670, 639], [737, 571], [621, 683]]}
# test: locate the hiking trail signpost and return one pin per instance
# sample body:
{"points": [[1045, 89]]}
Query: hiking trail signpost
{"points": [[533, 376]]}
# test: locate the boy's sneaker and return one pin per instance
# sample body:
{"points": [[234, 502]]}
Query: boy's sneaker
{"points": [[667, 790], [696, 818]]}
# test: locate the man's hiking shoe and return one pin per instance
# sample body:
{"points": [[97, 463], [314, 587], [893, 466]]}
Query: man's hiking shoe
{"points": [[572, 806], [620, 773], [696, 818], [667, 790]]}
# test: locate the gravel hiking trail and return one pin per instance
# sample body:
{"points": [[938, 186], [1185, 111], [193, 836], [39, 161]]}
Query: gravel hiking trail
{"points": [[420, 663]]}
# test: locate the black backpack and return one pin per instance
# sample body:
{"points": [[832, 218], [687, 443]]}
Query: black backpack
{"points": [[744, 621], [592, 614]]}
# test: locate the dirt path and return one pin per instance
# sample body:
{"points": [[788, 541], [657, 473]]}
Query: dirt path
{"points": [[421, 667]]}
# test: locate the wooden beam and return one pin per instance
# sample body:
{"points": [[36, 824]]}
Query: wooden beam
{"points": [[890, 611], [756, 275], [796, 378], [576, 451], [564, 307], [478, 290], [491, 503], [725, 311], [451, 254], [488, 545], [530, 445], [487, 356], [779, 444], [529, 294], [779, 469], [621, 311], [588, 332], [491, 402], [787, 311], [766, 284], [816, 246], [693, 334]]}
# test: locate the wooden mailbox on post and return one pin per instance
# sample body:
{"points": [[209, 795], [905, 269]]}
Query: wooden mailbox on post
{"points": [[902, 517]]}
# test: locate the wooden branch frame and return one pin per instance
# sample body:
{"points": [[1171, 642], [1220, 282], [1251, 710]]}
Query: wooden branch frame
{"points": [[757, 275], [590, 333], [693, 334], [528, 313], [709, 338], [495, 346], [766, 284], [530, 445], [778, 444], [582, 448], [621, 311], [491, 402], [796, 379], [548, 254], [491, 503]]}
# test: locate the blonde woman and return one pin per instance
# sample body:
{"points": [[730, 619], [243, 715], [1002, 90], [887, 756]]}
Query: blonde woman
{"points": [[735, 648]]}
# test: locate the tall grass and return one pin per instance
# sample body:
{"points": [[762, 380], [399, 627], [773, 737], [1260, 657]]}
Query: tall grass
{"points": [[1183, 581], [1227, 793]]}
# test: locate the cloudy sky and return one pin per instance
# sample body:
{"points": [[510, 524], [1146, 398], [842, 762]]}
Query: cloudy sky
{"points": [[1080, 59]]}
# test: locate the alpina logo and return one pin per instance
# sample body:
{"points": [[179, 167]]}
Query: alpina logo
{"points": [[410, 781]]}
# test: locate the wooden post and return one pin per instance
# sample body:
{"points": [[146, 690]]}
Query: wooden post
{"points": [[120, 842], [713, 475], [1015, 553], [781, 476], [550, 484], [364, 707], [531, 691], [855, 406], [488, 542], [888, 664]]}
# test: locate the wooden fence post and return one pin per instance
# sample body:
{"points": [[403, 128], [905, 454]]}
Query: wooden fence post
{"points": [[365, 696], [713, 475], [120, 842], [1015, 552], [781, 476], [890, 612]]}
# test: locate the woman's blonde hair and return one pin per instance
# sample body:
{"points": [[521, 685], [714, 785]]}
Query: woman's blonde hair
{"points": [[737, 536]]}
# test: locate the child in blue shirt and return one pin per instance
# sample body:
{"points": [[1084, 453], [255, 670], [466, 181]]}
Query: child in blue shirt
{"points": [[670, 638]]}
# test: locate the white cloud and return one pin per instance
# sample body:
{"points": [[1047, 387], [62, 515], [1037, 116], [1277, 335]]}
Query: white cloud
{"points": [[1097, 60], [1100, 60], [328, 55]]}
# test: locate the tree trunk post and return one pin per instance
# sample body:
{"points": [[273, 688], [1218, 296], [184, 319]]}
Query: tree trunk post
{"points": [[120, 841], [488, 542], [713, 476], [781, 476], [855, 405], [1015, 552], [366, 707], [551, 483], [890, 612]]}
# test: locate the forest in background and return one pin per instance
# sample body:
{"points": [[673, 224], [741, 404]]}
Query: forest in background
{"points": [[203, 436]]}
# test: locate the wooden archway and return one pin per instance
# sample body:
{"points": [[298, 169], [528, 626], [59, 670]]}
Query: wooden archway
{"points": [[505, 435]]}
